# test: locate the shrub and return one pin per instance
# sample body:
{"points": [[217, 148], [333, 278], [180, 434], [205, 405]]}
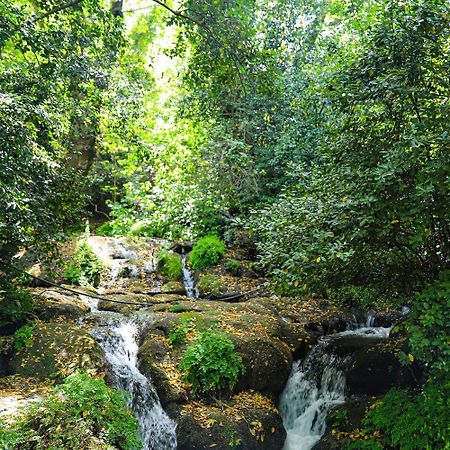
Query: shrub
{"points": [[80, 408], [210, 285], [169, 265], [410, 422], [142, 228], [206, 252], [23, 337], [15, 306], [234, 266], [211, 363], [428, 325], [86, 269], [106, 229]]}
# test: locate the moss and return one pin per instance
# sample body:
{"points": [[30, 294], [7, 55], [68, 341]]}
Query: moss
{"points": [[210, 285], [206, 252], [169, 265]]}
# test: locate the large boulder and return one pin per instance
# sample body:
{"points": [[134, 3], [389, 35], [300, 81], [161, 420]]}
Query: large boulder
{"points": [[248, 421], [155, 363], [376, 369], [267, 362], [52, 304], [58, 349]]}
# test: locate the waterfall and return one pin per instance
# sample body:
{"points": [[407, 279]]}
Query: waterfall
{"points": [[118, 338], [316, 385], [188, 278]]}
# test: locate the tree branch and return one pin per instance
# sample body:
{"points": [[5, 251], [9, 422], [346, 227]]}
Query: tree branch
{"points": [[51, 12]]}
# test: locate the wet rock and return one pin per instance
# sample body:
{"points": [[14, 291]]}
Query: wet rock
{"points": [[344, 419], [58, 348], [377, 369], [155, 363]]}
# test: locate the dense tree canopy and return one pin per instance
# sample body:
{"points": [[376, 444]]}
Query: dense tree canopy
{"points": [[314, 133]]}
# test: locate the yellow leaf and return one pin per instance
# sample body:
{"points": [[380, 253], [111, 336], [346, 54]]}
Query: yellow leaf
{"points": [[411, 357], [304, 286], [213, 445], [85, 413], [272, 429], [318, 259], [344, 199], [296, 283], [393, 222]]}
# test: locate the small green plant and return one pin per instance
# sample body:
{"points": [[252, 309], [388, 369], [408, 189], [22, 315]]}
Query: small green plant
{"points": [[339, 416], [178, 334], [210, 285], [86, 269], [211, 363], [105, 229], [234, 266], [169, 265], [206, 252], [78, 410], [23, 337]]}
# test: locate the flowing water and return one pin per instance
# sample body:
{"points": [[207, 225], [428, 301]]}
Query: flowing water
{"points": [[188, 279], [317, 384], [118, 335], [119, 342]]}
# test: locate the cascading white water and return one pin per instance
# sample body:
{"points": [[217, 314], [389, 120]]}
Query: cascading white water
{"points": [[118, 340], [188, 279], [315, 386]]}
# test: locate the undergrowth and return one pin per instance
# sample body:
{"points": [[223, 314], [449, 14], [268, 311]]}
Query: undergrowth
{"points": [[206, 252], [77, 411]]}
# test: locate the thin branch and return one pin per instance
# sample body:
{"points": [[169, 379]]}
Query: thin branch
{"points": [[51, 12]]}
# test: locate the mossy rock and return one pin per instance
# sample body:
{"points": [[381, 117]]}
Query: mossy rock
{"points": [[241, 424], [210, 286], [173, 287], [170, 265], [267, 361], [153, 354], [58, 349]]}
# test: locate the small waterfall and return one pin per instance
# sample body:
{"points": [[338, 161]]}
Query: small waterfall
{"points": [[316, 385], [118, 340], [188, 278]]}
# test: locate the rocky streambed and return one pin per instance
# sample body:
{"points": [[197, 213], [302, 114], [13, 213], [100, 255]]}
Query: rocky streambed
{"points": [[270, 334]]}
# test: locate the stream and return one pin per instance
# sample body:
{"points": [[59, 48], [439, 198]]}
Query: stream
{"points": [[118, 337], [318, 384]]}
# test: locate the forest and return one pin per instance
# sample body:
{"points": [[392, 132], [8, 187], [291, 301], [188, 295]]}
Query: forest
{"points": [[224, 224]]}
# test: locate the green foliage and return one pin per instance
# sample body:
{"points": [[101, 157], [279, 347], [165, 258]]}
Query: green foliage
{"points": [[23, 337], [86, 269], [53, 69], [210, 285], [106, 229], [206, 252], [211, 363], [372, 210], [365, 297], [169, 265], [428, 326], [413, 422], [16, 305], [234, 266], [339, 417], [78, 409]]}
